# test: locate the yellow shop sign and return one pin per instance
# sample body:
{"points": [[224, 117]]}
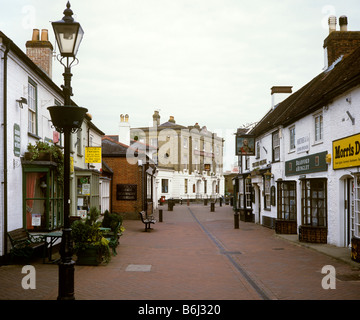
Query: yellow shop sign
{"points": [[346, 152], [92, 154]]}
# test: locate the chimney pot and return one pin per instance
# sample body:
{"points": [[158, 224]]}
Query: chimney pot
{"points": [[35, 35], [332, 24], [44, 35], [343, 22]]}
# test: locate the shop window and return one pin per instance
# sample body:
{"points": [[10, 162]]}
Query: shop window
{"points": [[43, 205], [286, 200], [83, 195], [248, 193], [241, 193], [313, 202], [355, 216], [88, 193], [267, 191]]}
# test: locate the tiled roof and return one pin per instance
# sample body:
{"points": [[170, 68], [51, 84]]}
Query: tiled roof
{"points": [[315, 94]]}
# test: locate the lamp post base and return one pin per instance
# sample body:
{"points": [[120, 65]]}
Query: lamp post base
{"points": [[66, 268], [66, 280]]}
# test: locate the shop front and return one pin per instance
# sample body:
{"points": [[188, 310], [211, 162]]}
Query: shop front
{"points": [[245, 198], [42, 192], [346, 162], [307, 171]]}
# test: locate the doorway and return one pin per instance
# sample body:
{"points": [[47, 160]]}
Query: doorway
{"points": [[348, 209]]}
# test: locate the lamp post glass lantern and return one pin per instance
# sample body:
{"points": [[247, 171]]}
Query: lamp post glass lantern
{"points": [[67, 119], [68, 33]]}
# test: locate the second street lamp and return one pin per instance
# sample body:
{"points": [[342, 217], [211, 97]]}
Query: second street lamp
{"points": [[67, 119]]}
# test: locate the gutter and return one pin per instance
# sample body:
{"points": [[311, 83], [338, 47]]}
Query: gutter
{"points": [[5, 58]]}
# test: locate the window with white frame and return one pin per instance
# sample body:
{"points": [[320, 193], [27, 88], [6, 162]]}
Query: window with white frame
{"points": [[267, 192], [185, 142], [185, 161], [276, 146], [32, 107], [257, 156], [196, 144], [318, 119], [241, 193], [355, 216], [292, 138], [248, 192]]}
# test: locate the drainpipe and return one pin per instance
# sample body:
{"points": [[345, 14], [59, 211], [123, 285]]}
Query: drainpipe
{"points": [[5, 58]]}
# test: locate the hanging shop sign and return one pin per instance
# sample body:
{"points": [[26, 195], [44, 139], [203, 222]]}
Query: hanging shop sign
{"points": [[92, 154], [346, 152], [245, 145], [308, 164]]}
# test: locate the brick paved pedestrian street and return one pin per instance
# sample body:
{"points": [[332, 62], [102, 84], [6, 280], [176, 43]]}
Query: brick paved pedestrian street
{"points": [[195, 254]]}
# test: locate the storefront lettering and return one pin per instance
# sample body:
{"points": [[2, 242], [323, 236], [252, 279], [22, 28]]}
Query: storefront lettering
{"points": [[347, 152], [302, 165]]}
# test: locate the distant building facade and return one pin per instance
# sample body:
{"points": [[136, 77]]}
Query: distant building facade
{"points": [[189, 159]]}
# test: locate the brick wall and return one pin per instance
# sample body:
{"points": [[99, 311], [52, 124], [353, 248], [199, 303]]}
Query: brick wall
{"points": [[341, 43], [125, 173]]}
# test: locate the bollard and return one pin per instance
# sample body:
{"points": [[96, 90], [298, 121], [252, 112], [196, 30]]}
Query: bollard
{"points": [[220, 202], [212, 206], [205, 202], [188, 202], [160, 215], [236, 220]]}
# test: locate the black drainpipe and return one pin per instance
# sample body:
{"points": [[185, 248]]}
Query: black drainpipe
{"points": [[5, 58]]}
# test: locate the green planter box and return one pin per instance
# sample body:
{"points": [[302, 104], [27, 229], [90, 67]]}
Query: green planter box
{"points": [[89, 257]]}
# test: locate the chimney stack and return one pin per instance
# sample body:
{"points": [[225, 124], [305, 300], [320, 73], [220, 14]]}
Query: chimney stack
{"points": [[124, 130], [279, 94], [156, 118], [341, 42], [172, 119], [40, 50]]}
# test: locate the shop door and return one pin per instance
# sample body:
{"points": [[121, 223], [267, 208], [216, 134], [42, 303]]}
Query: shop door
{"points": [[349, 210]]}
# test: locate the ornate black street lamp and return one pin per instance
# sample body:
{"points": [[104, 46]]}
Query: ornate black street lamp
{"points": [[67, 119]]}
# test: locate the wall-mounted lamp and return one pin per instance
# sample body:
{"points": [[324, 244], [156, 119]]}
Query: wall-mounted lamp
{"points": [[21, 102]]}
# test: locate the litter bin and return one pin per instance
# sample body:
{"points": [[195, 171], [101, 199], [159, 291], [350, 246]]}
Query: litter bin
{"points": [[170, 205]]}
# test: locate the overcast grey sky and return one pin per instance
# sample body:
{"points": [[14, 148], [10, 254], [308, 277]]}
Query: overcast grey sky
{"points": [[206, 61]]}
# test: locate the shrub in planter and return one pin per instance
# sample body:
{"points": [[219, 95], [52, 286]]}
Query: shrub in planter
{"points": [[90, 245]]}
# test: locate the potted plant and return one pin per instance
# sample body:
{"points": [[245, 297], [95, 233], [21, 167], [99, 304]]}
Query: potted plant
{"points": [[42, 151], [90, 245]]}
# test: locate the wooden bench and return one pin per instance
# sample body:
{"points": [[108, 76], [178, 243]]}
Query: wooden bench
{"points": [[23, 244], [146, 220]]}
